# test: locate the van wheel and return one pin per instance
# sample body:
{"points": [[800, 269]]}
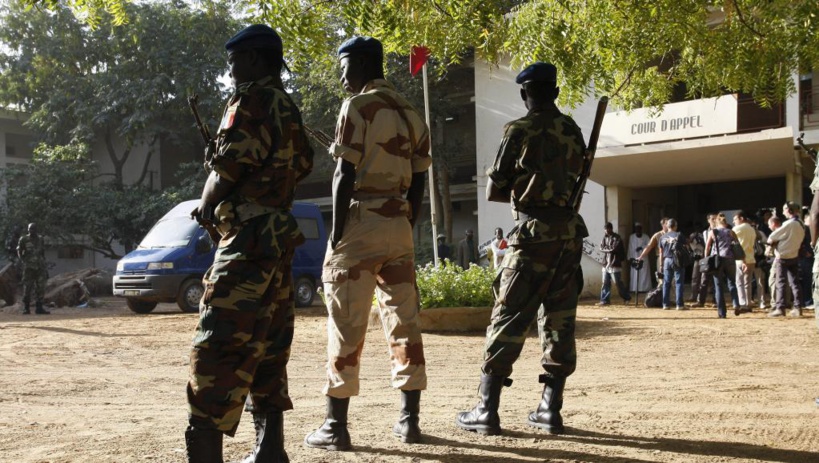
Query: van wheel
{"points": [[189, 295], [140, 305], [305, 292]]}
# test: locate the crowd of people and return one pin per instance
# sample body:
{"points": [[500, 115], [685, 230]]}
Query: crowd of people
{"points": [[763, 261]]}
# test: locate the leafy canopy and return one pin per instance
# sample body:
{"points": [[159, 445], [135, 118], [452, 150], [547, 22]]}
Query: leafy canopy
{"points": [[636, 51]]}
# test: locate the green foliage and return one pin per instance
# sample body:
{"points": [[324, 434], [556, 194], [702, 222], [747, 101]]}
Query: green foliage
{"points": [[637, 52], [632, 50], [449, 285], [62, 191], [83, 84]]}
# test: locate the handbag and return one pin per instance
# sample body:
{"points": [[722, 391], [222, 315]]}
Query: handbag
{"points": [[710, 264]]}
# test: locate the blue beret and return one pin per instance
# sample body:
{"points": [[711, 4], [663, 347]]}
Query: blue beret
{"points": [[255, 36], [366, 45], [538, 72]]}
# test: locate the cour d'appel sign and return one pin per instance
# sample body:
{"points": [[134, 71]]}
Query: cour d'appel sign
{"points": [[687, 119]]}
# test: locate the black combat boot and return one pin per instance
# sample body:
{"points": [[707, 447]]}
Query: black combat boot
{"points": [[203, 445], [332, 435], [547, 416], [26, 308], [40, 310], [484, 418], [269, 439], [407, 428]]}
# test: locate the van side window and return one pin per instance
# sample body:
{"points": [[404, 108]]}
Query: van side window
{"points": [[309, 227]]}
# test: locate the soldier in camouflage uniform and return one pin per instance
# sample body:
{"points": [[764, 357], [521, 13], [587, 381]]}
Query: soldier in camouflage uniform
{"points": [[537, 165], [242, 341], [382, 152], [31, 251]]}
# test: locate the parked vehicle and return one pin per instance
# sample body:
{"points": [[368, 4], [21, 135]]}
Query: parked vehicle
{"points": [[169, 263]]}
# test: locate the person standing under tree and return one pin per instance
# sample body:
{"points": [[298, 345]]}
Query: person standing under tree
{"points": [[382, 155], [242, 342], [31, 251], [538, 163]]}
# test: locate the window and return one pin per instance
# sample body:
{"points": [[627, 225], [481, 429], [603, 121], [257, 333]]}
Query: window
{"points": [[309, 227]]}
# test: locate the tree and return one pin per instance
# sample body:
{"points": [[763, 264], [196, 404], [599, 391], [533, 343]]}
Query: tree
{"points": [[111, 83], [57, 191], [635, 51]]}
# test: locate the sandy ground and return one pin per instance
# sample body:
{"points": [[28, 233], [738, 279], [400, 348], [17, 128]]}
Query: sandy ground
{"points": [[107, 385]]}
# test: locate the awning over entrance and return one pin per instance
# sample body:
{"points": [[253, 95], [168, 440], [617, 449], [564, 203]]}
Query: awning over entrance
{"points": [[764, 154]]}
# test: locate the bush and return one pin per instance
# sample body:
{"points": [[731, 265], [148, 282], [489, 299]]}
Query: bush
{"points": [[451, 286]]}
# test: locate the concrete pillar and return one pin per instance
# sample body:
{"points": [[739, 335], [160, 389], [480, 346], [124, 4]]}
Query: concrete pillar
{"points": [[619, 209], [793, 180]]}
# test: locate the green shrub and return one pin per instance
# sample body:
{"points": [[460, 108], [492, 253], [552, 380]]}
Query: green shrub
{"points": [[451, 286]]}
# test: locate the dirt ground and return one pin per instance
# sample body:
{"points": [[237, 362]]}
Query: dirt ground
{"points": [[107, 385]]}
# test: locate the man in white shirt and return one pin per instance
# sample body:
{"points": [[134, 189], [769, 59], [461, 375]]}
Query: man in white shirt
{"points": [[499, 246], [746, 234], [787, 239], [636, 243]]}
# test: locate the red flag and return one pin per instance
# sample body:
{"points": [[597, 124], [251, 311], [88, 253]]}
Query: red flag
{"points": [[418, 57]]}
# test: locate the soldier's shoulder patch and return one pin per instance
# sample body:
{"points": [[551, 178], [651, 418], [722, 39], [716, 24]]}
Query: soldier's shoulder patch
{"points": [[229, 118]]}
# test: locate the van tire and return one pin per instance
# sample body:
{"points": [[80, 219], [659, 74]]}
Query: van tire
{"points": [[140, 305], [305, 292], [190, 293]]}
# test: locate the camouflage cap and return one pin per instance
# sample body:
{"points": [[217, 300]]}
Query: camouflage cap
{"points": [[537, 72]]}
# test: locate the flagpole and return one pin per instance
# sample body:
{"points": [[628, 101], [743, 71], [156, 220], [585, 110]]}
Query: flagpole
{"points": [[433, 213]]}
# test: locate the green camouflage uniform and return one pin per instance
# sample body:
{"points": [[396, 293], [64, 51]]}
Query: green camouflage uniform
{"points": [[35, 274], [242, 341], [538, 162], [387, 141]]}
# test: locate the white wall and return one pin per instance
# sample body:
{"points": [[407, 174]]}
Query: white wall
{"points": [[133, 166]]}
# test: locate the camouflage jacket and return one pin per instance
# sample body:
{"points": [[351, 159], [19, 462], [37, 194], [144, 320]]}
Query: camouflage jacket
{"points": [[32, 251], [387, 141], [539, 161], [262, 147]]}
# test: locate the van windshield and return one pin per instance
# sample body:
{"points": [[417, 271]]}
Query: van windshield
{"points": [[175, 232]]}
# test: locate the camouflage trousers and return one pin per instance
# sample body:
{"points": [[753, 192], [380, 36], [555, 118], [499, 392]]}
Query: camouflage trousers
{"points": [[34, 281], [375, 254], [536, 280], [242, 341]]}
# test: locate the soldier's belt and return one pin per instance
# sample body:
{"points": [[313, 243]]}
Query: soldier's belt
{"points": [[247, 211], [364, 196], [545, 214]]}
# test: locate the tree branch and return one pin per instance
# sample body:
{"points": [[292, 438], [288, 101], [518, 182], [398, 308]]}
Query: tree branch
{"points": [[147, 160], [743, 21]]}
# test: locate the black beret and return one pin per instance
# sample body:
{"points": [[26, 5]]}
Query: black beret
{"points": [[538, 72], [255, 36], [366, 45]]}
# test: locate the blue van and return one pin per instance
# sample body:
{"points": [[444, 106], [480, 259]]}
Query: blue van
{"points": [[169, 263]]}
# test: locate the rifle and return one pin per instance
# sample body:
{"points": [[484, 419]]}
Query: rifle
{"points": [[207, 216], [322, 138], [588, 157], [811, 151]]}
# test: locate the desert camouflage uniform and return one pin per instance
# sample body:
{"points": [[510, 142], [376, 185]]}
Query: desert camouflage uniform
{"points": [[538, 162], [242, 342], [35, 273], [386, 145]]}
